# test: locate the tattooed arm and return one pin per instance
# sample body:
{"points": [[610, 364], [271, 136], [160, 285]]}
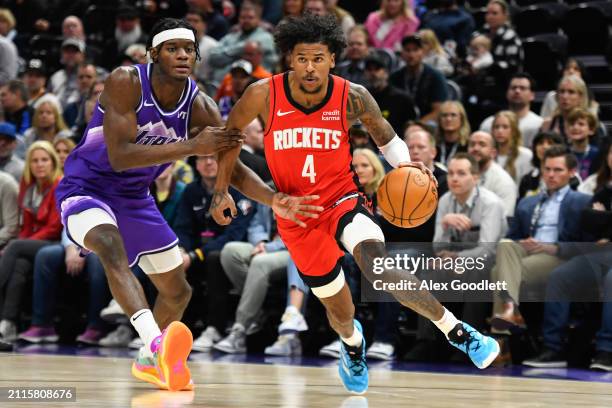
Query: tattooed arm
{"points": [[361, 105]]}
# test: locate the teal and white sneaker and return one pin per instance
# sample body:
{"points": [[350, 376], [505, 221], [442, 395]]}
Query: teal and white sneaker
{"points": [[352, 366], [482, 350]]}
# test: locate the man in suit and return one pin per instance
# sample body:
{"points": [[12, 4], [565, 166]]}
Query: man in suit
{"points": [[542, 232]]}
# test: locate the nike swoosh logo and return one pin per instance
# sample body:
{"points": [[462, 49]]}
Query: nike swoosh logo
{"points": [[279, 113], [345, 368], [147, 104]]}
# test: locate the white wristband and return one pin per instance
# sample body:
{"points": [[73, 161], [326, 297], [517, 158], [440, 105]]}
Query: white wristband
{"points": [[395, 152]]}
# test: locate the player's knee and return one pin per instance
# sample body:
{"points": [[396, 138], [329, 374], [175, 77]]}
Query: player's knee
{"points": [[109, 248]]}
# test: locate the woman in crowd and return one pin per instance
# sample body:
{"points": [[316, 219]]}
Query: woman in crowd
{"points": [[572, 67], [40, 226], [435, 55], [394, 21], [453, 131], [63, 146], [571, 93], [506, 45], [511, 155], [47, 124], [292, 8]]}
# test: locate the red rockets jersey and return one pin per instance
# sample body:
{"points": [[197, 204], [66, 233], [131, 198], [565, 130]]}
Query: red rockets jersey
{"points": [[308, 149]]}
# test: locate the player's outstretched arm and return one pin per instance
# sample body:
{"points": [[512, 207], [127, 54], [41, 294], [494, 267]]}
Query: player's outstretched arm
{"points": [[361, 105], [119, 100], [252, 104]]}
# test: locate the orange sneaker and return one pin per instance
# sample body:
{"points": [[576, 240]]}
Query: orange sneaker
{"points": [[168, 367]]}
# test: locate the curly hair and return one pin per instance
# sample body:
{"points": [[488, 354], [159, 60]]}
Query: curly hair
{"points": [[310, 29]]}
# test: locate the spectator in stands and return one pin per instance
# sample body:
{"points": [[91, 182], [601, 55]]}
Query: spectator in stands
{"points": [[251, 266], [9, 210], [128, 31], [9, 161], [542, 232], [572, 67], [14, 100], [511, 154], [49, 263], [601, 179], [201, 240], [452, 24], [197, 19], [470, 219], [167, 191], [7, 24], [253, 54], [425, 84], [352, 68], [47, 125], [506, 45], [453, 131], [63, 82], [9, 60], [136, 53], [586, 277], [479, 55], [86, 77], [63, 146], [483, 147], [40, 225], [391, 24], [217, 25], [316, 7], [240, 72], [86, 112], [532, 183], [395, 104], [231, 47], [519, 96], [35, 80], [252, 153], [582, 126], [292, 8], [344, 18], [571, 93], [435, 56], [72, 27]]}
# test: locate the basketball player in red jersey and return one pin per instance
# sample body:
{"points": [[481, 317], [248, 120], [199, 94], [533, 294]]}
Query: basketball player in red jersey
{"points": [[307, 113]]}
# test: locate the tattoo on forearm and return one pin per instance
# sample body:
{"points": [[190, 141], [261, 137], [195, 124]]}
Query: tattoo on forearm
{"points": [[216, 201], [361, 105]]}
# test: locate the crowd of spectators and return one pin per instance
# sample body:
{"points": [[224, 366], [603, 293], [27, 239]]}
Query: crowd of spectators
{"points": [[530, 190]]}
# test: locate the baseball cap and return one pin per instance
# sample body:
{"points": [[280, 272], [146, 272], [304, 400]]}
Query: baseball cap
{"points": [[244, 65], [74, 42], [35, 65], [8, 129], [412, 39]]}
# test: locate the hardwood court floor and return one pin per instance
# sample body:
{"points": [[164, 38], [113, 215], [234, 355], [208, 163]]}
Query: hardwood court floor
{"points": [[106, 382]]}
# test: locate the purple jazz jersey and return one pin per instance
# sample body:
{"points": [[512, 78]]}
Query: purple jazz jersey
{"points": [[89, 180]]}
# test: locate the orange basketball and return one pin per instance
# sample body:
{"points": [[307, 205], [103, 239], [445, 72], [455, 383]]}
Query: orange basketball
{"points": [[407, 197]]}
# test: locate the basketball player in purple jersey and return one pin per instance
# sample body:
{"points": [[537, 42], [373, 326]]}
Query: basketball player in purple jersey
{"points": [[141, 122]]}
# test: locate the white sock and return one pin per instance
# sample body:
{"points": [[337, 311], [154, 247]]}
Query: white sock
{"points": [[355, 340], [447, 322], [292, 309], [147, 329]]}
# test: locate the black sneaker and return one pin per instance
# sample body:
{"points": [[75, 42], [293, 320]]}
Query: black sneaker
{"points": [[548, 359], [602, 361], [4, 346]]}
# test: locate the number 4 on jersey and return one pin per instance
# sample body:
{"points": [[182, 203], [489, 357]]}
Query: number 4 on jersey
{"points": [[308, 170]]}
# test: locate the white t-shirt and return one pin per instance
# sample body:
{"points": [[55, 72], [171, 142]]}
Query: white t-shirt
{"points": [[522, 164]]}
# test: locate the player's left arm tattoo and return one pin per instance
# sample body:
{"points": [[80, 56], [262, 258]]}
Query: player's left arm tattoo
{"points": [[361, 105]]}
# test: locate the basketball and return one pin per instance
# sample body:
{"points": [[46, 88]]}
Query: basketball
{"points": [[407, 197]]}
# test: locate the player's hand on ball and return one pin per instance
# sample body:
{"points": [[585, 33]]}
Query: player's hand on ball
{"points": [[289, 207], [215, 139], [221, 201], [422, 167]]}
